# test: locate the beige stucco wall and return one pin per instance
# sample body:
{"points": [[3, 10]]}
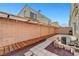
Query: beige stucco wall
{"points": [[21, 14], [73, 19]]}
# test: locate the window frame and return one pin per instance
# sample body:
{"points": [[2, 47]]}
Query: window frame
{"points": [[33, 16]]}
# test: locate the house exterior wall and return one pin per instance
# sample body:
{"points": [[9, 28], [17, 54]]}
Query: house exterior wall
{"points": [[74, 19], [21, 14]]}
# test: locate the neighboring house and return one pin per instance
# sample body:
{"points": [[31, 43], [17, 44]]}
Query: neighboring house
{"points": [[56, 24], [74, 19], [34, 15]]}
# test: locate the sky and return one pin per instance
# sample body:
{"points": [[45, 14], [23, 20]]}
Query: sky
{"points": [[59, 12]]}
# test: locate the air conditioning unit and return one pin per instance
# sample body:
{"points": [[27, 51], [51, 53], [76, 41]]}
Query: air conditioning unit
{"points": [[66, 39], [63, 40]]}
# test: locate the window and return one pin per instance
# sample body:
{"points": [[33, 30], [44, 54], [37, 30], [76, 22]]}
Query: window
{"points": [[75, 27], [33, 15], [26, 14], [76, 11], [76, 8]]}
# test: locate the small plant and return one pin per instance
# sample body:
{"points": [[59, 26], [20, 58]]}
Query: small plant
{"points": [[77, 49]]}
